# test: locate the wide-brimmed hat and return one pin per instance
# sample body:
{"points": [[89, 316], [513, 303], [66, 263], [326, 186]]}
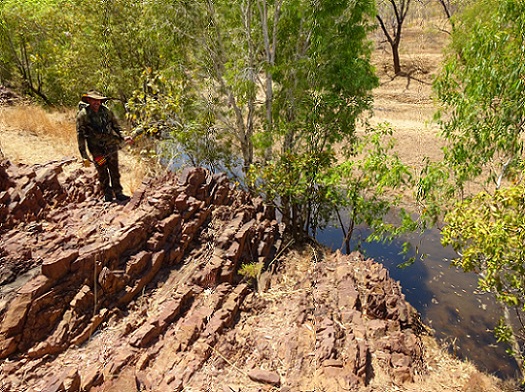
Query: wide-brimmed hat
{"points": [[94, 95]]}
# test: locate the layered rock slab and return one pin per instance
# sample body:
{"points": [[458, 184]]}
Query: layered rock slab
{"points": [[109, 254], [146, 296]]}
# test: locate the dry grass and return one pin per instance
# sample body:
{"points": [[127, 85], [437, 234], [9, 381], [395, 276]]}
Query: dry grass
{"points": [[446, 373], [406, 102], [33, 135], [58, 124], [30, 134]]}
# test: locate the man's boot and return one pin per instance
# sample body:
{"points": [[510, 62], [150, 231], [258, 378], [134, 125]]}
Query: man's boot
{"points": [[121, 197]]}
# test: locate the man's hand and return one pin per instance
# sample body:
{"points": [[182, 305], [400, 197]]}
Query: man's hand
{"points": [[86, 163]]}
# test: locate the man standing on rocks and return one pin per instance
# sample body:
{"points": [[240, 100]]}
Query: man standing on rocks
{"points": [[98, 127]]}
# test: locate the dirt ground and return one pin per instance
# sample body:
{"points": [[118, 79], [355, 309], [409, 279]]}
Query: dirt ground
{"points": [[406, 102]]}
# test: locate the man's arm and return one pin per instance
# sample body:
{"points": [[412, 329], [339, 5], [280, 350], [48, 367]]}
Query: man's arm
{"points": [[81, 135]]}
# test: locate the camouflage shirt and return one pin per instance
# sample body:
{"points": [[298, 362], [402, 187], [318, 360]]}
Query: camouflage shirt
{"points": [[99, 130]]}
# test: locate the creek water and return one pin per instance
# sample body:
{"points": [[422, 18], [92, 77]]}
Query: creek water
{"points": [[447, 298]]}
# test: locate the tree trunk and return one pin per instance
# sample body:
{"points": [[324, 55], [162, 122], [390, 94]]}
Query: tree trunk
{"points": [[395, 58], [270, 46], [243, 132]]}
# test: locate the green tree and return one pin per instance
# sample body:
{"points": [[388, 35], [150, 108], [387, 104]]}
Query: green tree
{"points": [[285, 83], [231, 48], [170, 113], [482, 91], [488, 231], [371, 188], [481, 87], [323, 81], [363, 189], [127, 38], [221, 69], [32, 38], [55, 49], [196, 101]]}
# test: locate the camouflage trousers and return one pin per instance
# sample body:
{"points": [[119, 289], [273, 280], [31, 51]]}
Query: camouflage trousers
{"points": [[108, 170]]}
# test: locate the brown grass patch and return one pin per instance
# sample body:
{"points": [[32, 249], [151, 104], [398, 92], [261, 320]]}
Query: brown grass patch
{"points": [[34, 135], [30, 134], [35, 119]]}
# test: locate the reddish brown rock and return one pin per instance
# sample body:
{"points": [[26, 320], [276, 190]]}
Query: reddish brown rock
{"points": [[193, 177], [83, 300], [57, 266], [8, 345], [145, 335], [5, 181], [90, 377], [143, 290], [138, 263], [14, 320], [326, 338], [265, 376], [333, 363], [112, 281], [90, 328]]}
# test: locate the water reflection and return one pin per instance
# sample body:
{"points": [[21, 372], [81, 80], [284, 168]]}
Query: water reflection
{"points": [[446, 298]]}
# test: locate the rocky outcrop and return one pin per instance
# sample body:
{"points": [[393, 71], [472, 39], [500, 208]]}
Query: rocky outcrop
{"points": [[146, 295], [360, 313]]}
